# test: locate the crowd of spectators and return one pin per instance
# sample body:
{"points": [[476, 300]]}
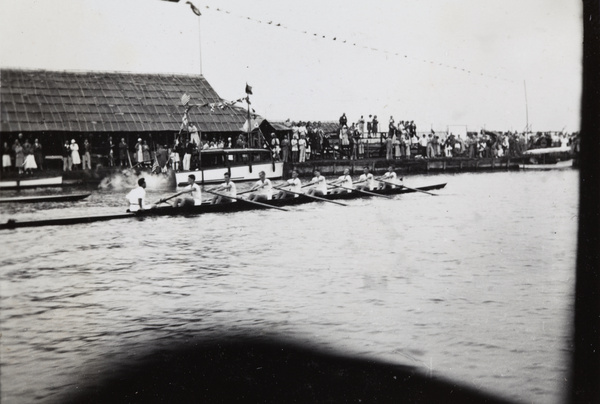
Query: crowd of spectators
{"points": [[22, 155], [304, 141]]}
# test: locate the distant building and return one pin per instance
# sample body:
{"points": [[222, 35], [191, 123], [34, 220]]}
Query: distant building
{"points": [[56, 106]]}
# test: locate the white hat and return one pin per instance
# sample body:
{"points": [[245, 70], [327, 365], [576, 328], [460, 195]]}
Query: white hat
{"points": [[72, 140], [139, 139]]}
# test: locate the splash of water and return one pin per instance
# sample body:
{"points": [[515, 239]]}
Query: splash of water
{"points": [[127, 179]]}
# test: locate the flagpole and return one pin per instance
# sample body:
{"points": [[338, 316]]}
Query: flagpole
{"points": [[200, 44], [249, 120]]}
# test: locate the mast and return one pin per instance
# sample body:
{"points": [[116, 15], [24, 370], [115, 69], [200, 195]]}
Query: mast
{"points": [[249, 129], [200, 44], [526, 111]]}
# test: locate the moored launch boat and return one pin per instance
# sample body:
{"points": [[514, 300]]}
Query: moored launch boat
{"points": [[239, 205], [31, 183], [241, 164], [44, 198], [548, 158]]}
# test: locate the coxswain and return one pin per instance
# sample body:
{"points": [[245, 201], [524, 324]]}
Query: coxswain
{"points": [[343, 183], [262, 189], [136, 197], [320, 185], [195, 194], [389, 180], [294, 185], [228, 191], [365, 181]]}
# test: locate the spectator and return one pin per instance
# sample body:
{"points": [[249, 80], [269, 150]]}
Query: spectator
{"points": [[19, 155], [111, 152], [375, 125], [123, 153], [361, 125], [295, 148], [275, 147], [38, 154], [285, 149], [302, 148], [29, 162], [389, 148], [87, 157], [343, 120], [6, 160], [76, 159]]}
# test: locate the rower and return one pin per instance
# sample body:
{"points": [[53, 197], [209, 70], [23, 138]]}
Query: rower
{"points": [[344, 183], [320, 185], [228, 189], [390, 179], [195, 194], [136, 197], [295, 186], [262, 189], [365, 181]]}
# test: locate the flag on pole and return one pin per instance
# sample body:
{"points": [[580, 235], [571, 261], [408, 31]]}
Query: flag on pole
{"points": [[185, 98], [194, 9], [254, 124], [248, 89]]}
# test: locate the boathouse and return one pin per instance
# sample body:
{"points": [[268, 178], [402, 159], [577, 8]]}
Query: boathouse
{"points": [[57, 106]]}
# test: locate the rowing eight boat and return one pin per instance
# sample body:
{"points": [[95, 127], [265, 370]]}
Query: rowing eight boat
{"points": [[240, 205]]}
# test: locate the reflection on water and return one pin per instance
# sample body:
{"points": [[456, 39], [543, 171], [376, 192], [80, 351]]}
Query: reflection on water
{"points": [[475, 284]]}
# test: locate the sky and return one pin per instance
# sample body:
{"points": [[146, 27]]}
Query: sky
{"points": [[493, 64]]}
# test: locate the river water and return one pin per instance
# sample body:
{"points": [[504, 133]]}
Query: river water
{"points": [[475, 284]]}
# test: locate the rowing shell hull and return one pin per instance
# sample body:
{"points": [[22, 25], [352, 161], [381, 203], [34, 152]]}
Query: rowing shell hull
{"points": [[238, 206], [45, 198]]}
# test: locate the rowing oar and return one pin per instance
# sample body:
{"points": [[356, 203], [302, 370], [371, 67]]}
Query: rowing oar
{"points": [[361, 191], [172, 196], [419, 190], [310, 196], [246, 200]]}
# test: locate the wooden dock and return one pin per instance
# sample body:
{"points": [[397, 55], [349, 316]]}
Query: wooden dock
{"points": [[403, 167]]}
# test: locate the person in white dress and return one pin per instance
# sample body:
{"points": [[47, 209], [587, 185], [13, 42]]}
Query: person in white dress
{"points": [[75, 153]]}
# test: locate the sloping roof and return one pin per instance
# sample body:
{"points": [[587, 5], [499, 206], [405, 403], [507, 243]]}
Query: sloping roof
{"points": [[42, 100]]}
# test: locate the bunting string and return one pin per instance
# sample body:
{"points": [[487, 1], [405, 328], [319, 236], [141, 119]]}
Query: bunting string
{"points": [[357, 44]]}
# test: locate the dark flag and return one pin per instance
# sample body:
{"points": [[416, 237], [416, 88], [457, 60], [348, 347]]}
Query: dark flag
{"points": [[194, 9], [248, 89]]}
